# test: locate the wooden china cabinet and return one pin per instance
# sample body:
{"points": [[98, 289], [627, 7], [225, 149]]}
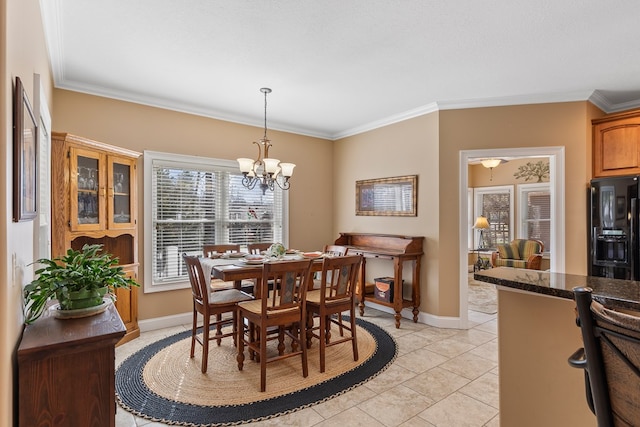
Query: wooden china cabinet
{"points": [[94, 200]]}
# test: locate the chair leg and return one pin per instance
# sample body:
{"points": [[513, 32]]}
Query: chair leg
{"points": [[194, 331], [305, 362], [323, 340], [240, 357], [205, 343], [354, 340], [263, 358], [219, 328], [309, 329], [234, 326]]}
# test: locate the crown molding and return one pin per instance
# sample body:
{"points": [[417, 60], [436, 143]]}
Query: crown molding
{"points": [[396, 118], [595, 97]]}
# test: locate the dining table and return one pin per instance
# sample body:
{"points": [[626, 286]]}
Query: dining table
{"points": [[237, 270]]}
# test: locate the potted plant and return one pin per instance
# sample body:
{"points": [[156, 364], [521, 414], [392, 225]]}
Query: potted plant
{"points": [[78, 280]]}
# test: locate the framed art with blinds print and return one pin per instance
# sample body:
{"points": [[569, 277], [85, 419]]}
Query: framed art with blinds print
{"points": [[395, 196], [25, 133]]}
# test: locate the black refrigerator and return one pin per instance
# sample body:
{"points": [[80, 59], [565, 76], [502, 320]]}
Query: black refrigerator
{"points": [[613, 228]]}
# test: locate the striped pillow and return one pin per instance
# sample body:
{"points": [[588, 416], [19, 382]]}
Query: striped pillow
{"points": [[508, 251]]}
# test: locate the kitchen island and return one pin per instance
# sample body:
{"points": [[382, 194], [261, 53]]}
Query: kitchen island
{"points": [[536, 334]]}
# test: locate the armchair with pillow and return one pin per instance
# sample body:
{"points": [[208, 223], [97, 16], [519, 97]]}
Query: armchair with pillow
{"points": [[520, 253]]}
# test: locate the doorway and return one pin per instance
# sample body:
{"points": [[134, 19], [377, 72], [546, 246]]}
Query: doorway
{"points": [[556, 180]]}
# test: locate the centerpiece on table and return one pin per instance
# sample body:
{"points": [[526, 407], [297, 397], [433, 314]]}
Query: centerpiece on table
{"points": [[276, 250], [79, 280]]}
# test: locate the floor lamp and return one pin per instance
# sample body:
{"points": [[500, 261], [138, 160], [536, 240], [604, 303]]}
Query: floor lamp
{"points": [[481, 224]]}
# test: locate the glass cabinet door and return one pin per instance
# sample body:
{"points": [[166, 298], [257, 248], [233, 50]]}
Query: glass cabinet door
{"points": [[121, 181], [87, 190]]}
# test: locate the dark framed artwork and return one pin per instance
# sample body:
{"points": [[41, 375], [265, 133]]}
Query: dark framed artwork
{"points": [[396, 196], [25, 132]]}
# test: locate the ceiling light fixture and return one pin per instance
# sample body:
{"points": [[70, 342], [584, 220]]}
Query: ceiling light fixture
{"points": [[265, 170], [490, 163]]}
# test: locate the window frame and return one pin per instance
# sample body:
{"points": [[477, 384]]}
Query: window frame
{"points": [[478, 192], [187, 161], [522, 209]]}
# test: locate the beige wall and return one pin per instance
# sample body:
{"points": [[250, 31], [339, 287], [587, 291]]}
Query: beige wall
{"points": [[561, 124], [22, 53], [430, 146], [405, 148], [140, 128]]}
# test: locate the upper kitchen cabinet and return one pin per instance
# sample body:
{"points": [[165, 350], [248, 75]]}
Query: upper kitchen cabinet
{"points": [[616, 145], [93, 201]]}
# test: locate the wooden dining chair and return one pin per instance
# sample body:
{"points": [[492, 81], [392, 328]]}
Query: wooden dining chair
{"points": [[610, 358], [282, 308], [329, 250], [209, 250], [209, 304], [335, 250], [335, 296], [257, 248]]}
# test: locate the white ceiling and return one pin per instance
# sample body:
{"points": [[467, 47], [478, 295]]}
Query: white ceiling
{"points": [[341, 67]]}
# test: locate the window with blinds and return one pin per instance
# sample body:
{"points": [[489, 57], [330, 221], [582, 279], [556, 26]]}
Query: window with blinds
{"points": [[196, 201], [535, 213]]}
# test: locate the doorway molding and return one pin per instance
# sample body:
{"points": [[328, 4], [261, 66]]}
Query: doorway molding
{"points": [[556, 179]]}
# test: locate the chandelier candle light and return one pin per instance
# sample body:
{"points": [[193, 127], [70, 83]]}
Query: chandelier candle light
{"points": [[265, 170]]}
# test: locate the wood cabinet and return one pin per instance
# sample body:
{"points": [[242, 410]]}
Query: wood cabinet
{"points": [[94, 201], [398, 250], [66, 371], [616, 145]]}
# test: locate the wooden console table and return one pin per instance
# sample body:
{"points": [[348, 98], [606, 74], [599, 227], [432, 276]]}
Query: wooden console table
{"points": [[399, 249], [66, 371]]}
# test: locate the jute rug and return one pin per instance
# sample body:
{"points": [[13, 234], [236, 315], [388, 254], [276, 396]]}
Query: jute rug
{"points": [[161, 383], [482, 296]]}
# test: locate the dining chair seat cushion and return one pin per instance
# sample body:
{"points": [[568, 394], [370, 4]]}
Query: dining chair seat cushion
{"points": [[228, 296], [255, 306], [313, 297]]}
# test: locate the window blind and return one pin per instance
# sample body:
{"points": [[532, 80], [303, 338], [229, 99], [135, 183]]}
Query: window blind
{"points": [[537, 218], [193, 204]]}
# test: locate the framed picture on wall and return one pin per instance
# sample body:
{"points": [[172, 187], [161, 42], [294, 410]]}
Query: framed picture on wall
{"points": [[396, 196], [25, 139]]}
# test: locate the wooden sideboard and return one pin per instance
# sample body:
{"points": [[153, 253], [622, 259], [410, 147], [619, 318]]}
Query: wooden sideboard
{"points": [[66, 371], [396, 248]]}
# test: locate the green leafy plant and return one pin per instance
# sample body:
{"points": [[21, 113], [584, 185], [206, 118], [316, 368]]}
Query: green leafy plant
{"points": [[84, 270]]}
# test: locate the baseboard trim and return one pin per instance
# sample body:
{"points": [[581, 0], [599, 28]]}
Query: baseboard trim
{"points": [[426, 318], [165, 322]]}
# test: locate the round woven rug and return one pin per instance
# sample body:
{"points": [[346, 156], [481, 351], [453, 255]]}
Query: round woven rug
{"points": [[162, 383]]}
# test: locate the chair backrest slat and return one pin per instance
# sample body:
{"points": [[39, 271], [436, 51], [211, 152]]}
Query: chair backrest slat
{"points": [[199, 287], [257, 248], [290, 280], [339, 277], [208, 250], [335, 250]]}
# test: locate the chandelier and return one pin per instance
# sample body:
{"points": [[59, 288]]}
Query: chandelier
{"points": [[264, 170]]}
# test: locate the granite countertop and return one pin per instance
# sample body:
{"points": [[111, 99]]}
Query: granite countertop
{"points": [[613, 293]]}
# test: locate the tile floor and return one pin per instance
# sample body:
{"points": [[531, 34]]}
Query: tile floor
{"points": [[441, 377]]}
